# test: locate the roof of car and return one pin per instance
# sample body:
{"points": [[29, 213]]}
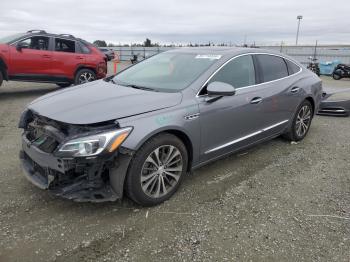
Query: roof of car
{"points": [[228, 51], [43, 32], [220, 50]]}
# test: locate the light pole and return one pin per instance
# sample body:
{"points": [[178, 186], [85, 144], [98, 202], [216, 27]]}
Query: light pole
{"points": [[299, 17]]}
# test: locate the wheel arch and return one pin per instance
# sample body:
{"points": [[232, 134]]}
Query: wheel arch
{"points": [[312, 101], [3, 69], [79, 67], [179, 133], [186, 141]]}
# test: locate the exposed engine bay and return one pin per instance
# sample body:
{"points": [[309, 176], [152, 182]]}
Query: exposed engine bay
{"points": [[94, 178]]}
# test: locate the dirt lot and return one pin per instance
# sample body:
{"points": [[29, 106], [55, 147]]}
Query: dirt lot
{"points": [[275, 202]]}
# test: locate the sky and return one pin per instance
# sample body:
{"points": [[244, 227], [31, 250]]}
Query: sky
{"points": [[267, 22]]}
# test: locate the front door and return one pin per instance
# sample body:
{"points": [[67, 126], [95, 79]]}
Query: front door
{"points": [[232, 122], [33, 61]]}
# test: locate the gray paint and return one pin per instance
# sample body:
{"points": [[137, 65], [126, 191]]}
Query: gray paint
{"points": [[100, 101], [208, 126]]}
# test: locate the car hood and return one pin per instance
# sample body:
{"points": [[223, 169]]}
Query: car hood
{"points": [[100, 101]]}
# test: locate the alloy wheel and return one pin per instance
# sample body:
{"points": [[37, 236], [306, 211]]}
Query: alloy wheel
{"points": [[303, 121], [86, 77], [161, 171]]}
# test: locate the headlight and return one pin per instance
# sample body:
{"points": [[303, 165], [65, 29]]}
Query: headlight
{"points": [[95, 144]]}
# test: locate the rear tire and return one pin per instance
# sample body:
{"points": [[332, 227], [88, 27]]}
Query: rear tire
{"points": [[157, 170], [301, 122], [84, 76], [63, 84]]}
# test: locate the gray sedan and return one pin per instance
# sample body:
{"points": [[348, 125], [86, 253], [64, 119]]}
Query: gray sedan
{"points": [[139, 132]]}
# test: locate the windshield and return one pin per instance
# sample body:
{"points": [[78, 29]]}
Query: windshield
{"points": [[11, 38], [166, 72]]}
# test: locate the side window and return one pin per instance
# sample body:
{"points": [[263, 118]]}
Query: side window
{"points": [[239, 72], [64, 45], [272, 67], [292, 68], [37, 43]]}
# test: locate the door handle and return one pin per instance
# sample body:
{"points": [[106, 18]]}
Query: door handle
{"points": [[295, 90], [256, 100], [79, 57], [46, 56]]}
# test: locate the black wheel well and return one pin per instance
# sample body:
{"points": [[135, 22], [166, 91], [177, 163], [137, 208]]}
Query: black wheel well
{"points": [[311, 100], [84, 67], [3, 69], [187, 142]]}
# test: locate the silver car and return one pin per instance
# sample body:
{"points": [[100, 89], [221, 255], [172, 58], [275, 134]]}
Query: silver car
{"points": [[142, 130]]}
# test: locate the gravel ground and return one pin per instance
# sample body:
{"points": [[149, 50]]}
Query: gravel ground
{"points": [[275, 202]]}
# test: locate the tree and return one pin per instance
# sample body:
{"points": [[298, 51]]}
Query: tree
{"points": [[147, 43], [100, 43]]}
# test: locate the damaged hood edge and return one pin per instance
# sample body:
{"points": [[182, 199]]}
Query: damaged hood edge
{"points": [[101, 101]]}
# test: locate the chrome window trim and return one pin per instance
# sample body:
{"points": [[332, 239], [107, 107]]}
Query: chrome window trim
{"points": [[245, 87], [246, 137]]}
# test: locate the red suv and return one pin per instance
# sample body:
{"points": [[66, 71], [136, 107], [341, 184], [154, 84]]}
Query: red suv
{"points": [[41, 57]]}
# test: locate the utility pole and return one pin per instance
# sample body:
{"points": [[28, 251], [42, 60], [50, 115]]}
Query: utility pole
{"points": [[315, 50], [299, 17]]}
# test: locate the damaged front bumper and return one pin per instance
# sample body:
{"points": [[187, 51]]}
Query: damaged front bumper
{"points": [[83, 179], [335, 104]]}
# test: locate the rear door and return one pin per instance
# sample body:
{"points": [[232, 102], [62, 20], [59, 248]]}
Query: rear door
{"points": [[279, 92], [35, 61], [66, 57]]}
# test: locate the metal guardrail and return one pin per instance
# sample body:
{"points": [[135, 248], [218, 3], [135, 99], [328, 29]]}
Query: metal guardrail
{"points": [[126, 53]]}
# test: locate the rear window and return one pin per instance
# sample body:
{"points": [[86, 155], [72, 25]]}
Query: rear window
{"points": [[292, 68], [272, 67], [83, 48], [64, 45]]}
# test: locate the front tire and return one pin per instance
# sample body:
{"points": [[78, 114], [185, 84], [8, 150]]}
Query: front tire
{"points": [[157, 170], [84, 76], [301, 122]]}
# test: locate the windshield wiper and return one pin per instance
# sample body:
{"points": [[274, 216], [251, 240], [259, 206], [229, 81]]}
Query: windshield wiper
{"points": [[140, 87], [132, 85], [111, 80]]}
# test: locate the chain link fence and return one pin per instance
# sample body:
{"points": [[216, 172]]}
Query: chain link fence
{"points": [[299, 53]]}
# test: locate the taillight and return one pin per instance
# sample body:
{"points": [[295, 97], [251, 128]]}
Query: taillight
{"points": [[102, 68]]}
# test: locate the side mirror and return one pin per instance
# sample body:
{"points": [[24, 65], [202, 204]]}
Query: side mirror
{"points": [[220, 89], [22, 45]]}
